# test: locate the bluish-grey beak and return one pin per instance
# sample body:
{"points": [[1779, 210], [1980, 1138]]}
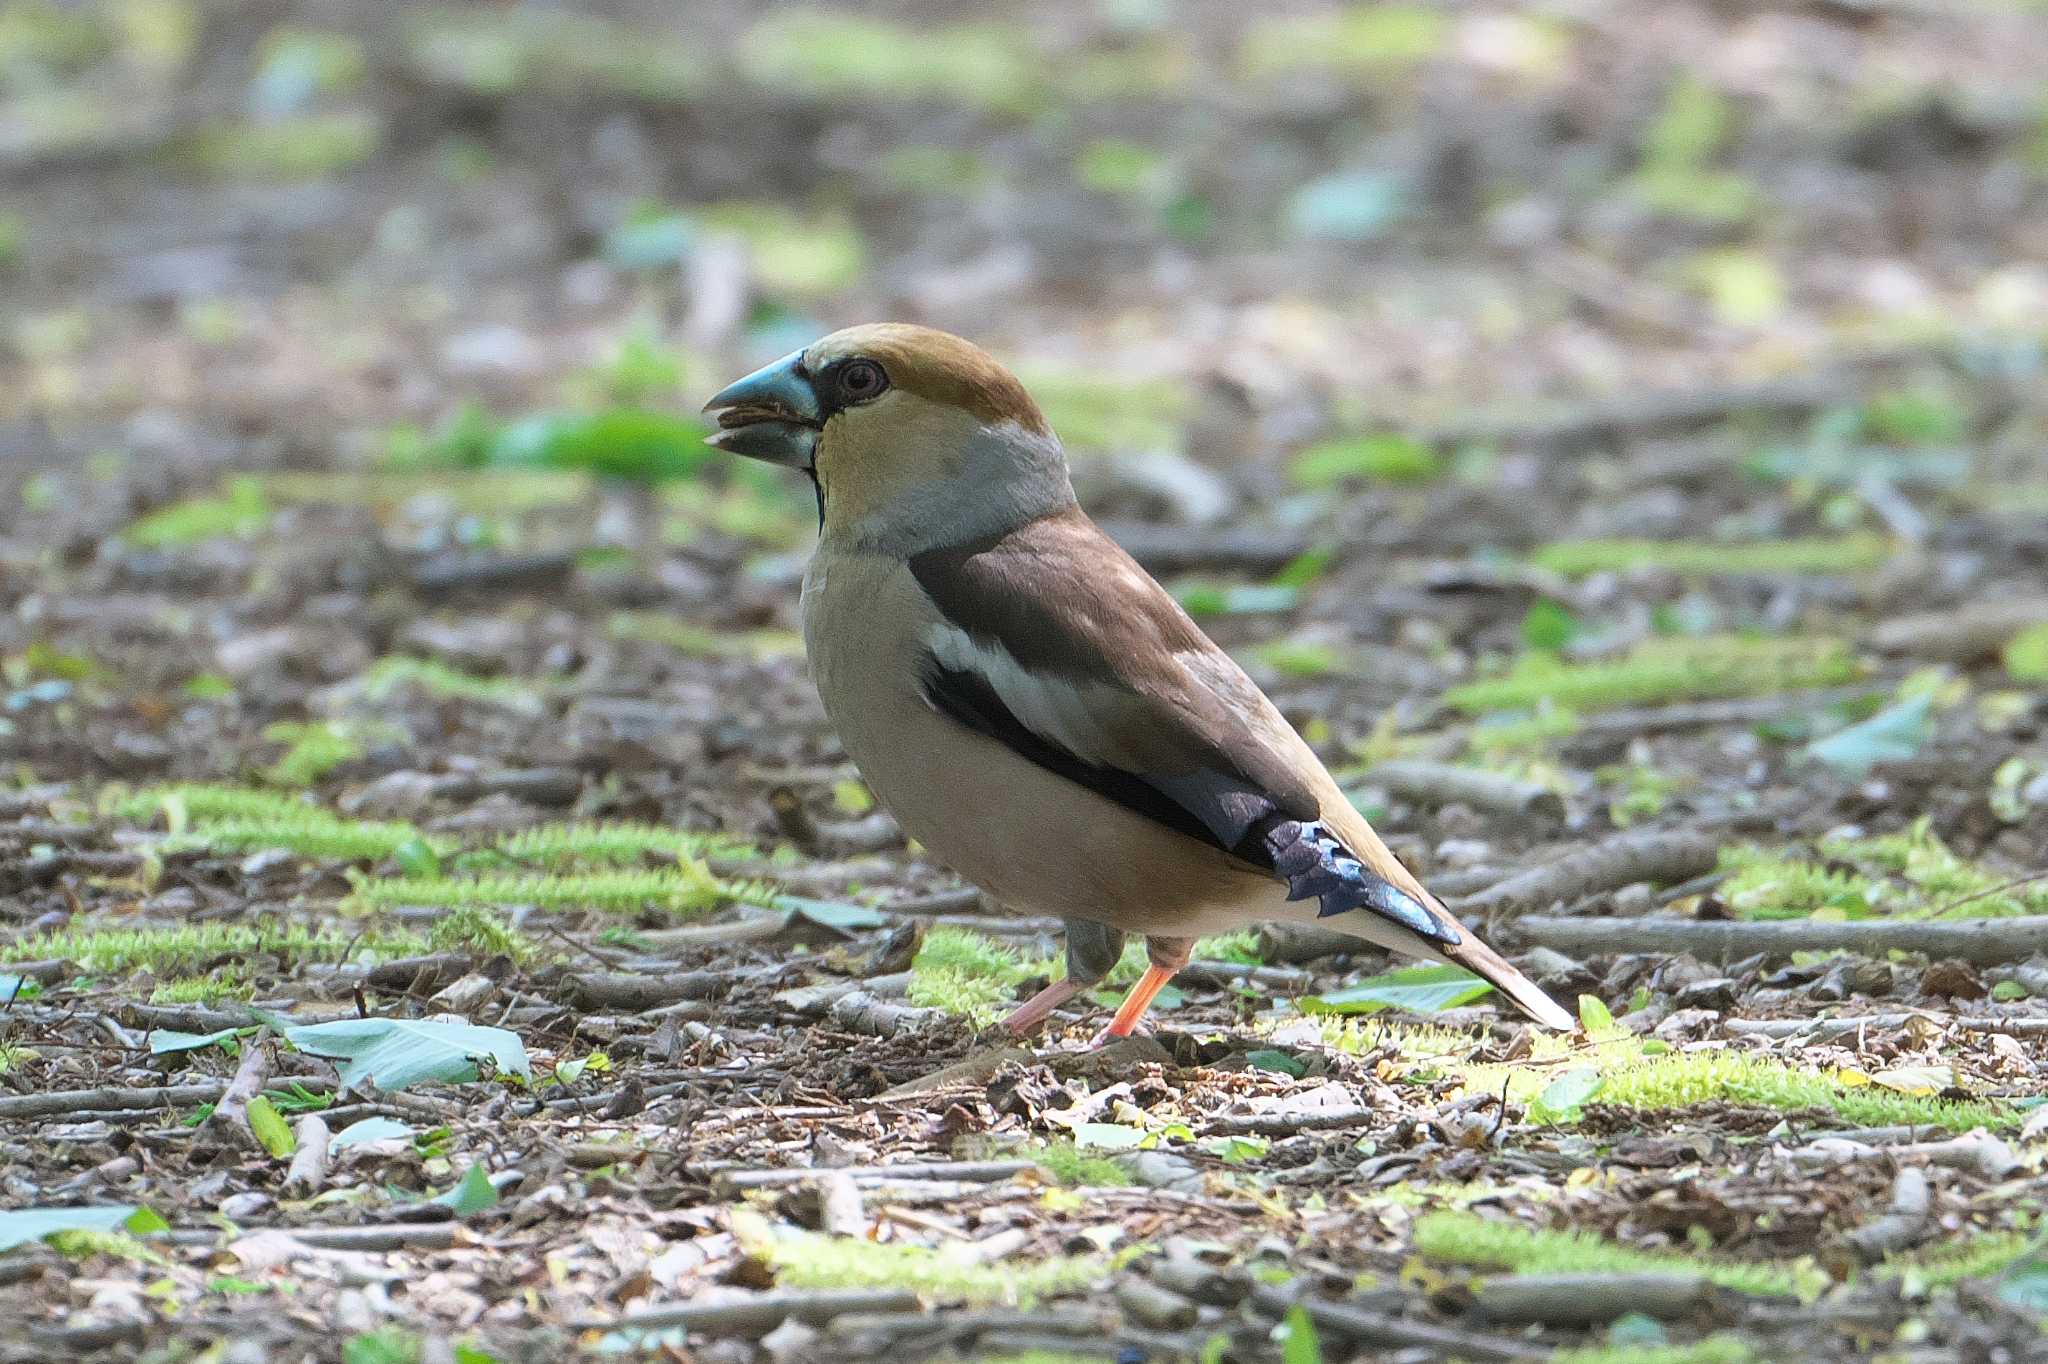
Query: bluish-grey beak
{"points": [[771, 414]]}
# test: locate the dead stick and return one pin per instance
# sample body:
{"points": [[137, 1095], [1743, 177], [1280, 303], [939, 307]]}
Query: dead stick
{"points": [[975, 1171], [1444, 784], [1592, 1299], [1648, 855], [756, 1314], [1984, 941], [1844, 1025], [1383, 1329]]}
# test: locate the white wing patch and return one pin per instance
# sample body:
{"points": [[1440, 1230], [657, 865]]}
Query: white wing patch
{"points": [[1055, 709]]}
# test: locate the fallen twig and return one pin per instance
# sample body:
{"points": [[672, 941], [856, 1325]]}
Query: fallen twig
{"points": [[1983, 941], [1976, 1151], [1901, 1226], [971, 1171], [1591, 1299], [1444, 784], [1380, 1328], [1848, 1025], [67, 1102], [1646, 855], [309, 1163], [756, 1314], [1959, 634]]}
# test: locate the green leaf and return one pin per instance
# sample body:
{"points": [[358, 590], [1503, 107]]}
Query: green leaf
{"points": [[625, 443], [1108, 1136], [14, 987], [1278, 1061], [1892, 735], [146, 1221], [473, 1193], [168, 1041], [2026, 656], [2006, 991], [24, 1225], [270, 1129], [470, 1354], [1299, 1345], [1594, 1016], [397, 1053], [1563, 1097], [1548, 625], [416, 857], [1418, 989], [2025, 1285], [387, 1345], [831, 913], [368, 1130]]}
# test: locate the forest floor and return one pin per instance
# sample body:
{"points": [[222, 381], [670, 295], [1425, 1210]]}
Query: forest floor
{"points": [[437, 923]]}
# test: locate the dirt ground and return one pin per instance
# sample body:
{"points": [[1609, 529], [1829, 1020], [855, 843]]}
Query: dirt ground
{"points": [[1612, 431]]}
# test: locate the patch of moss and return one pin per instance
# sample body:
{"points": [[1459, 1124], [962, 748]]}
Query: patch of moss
{"points": [[1663, 670], [1074, 1167], [309, 833], [972, 975], [223, 982], [837, 54], [388, 676], [1631, 1075], [1361, 40], [1701, 558], [556, 846], [1911, 874], [1470, 1239], [1719, 1349], [2026, 657], [475, 927], [311, 750], [1093, 413], [792, 253], [180, 950], [558, 51], [690, 888], [1492, 737], [1385, 458], [949, 1274], [701, 641], [302, 147], [240, 509]]}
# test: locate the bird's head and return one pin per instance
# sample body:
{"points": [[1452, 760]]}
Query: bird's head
{"points": [[913, 437]]}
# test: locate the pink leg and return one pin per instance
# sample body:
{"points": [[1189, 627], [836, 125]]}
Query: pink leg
{"points": [[1033, 1012]]}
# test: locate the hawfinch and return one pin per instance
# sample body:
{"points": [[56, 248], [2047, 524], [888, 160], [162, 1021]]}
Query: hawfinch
{"points": [[1030, 704]]}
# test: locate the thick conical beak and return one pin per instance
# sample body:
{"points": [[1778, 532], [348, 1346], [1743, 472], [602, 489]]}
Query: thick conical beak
{"points": [[771, 414]]}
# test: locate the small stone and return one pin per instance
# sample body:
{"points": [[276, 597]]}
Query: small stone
{"points": [[242, 1206], [1715, 992]]}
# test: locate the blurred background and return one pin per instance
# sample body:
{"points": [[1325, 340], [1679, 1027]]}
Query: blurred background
{"points": [[1398, 337]]}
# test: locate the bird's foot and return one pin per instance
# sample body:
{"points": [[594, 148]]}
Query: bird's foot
{"points": [[1109, 1035]]}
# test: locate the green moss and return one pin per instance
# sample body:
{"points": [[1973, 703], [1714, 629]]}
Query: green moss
{"points": [[1908, 875], [562, 845], [948, 1275], [1093, 413], [701, 641], [1376, 459], [303, 147], [557, 51], [223, 982], [689, 889], [1363, 40], [1490, 738], [240, 509], [475, 927], [972, 975], [180, 950], [800, 254], [1720, 1349], [198, 802], [308, 833], [312, 751], [1074, 1167], [1820, 554], [1663, 670], [2026, 657], [836, 54], [1469, 1239], [388, 676]]}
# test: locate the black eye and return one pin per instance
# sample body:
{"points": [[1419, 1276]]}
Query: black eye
{"points": [[860, 380]]}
